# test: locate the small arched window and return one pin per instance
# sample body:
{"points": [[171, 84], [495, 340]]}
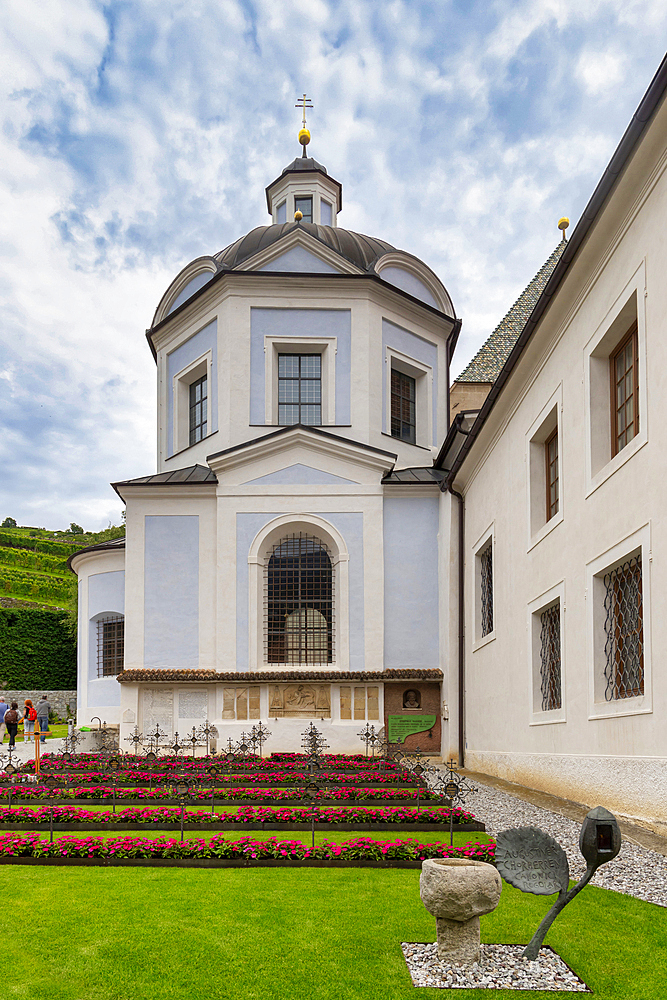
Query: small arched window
{"points": [[299, 602], [110, 645]]}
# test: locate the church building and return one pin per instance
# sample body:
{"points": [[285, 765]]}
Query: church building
{"points": [[337, 533]]}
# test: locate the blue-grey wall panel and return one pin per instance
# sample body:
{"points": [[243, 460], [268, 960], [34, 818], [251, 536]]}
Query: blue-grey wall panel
{"points": [[300, 323], [106, 596], [299, 259], [195, 347], [414, 347], [408, 283], [411, 582], [295, 475], [192, 286], [171, 591]]}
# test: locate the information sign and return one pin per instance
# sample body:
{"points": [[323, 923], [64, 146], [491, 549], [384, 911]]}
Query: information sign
{"points": [[401, 726]]}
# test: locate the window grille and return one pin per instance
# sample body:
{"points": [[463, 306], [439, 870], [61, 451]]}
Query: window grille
{"points": [[198, 409], [299, 389], [550, 658], [299, 609], [486, 595], [624, 631], [403, 421], [110, 645], [625, 392], [551, 457]]}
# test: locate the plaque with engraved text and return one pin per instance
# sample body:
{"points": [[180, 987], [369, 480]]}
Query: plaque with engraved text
{"points": [[532, 861]]}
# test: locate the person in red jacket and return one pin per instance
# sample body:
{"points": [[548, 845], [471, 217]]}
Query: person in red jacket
{"points": [[29, 717]]}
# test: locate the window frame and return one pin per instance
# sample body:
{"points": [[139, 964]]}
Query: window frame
{"points": [[547, 423], [639, 542], [631, 337], [423, 375], [326, 347], [289, 596], [182, 380], [409, 382], [304, 197], [536, 608], [101, 623], [299, 379], [552, 506], [486, 541], [204, 422]]}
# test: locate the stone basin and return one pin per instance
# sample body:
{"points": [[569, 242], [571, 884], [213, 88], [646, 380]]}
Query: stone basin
{"points": [[457, 891]]}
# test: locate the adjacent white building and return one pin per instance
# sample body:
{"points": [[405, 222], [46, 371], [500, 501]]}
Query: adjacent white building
{"points": [[319, 542]]}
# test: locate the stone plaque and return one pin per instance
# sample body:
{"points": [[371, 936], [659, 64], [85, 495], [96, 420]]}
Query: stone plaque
{"points": [[401, 726], [300, 701], [193, 704], [158, 709], [532, 861], [129, 716]]}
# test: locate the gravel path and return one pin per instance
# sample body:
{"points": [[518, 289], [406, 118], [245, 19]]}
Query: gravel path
{"points": [[636, 871], [501, 967]]}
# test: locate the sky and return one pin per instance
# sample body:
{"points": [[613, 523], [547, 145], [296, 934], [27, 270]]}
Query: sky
{"points": [[136, 136]]}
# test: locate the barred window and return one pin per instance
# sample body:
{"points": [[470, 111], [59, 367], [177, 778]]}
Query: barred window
{"points": [[550, 676], [110, 643], [486, 592], [299, 389], [625, 392], [198, 409], [299, 623], [624, 631], [403, 420]]}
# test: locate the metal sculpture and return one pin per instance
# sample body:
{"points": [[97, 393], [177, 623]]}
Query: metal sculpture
{"points": [[454, 788], [534, 862], [259, 735]]}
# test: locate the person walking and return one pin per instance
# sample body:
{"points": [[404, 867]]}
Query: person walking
{"points": [[29, 719], [12, 722], [43, 709], [3, 708]]}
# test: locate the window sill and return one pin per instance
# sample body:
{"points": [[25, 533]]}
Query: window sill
{"points": [[619, 460], [545, 530], [410, 444], [479, 643], [554, 718], [623, 709]]}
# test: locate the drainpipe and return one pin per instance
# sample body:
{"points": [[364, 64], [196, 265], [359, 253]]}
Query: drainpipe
{"points": [[462, 741]]}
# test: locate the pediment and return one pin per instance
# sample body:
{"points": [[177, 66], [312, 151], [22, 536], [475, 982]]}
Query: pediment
{"points": [[298, 251], [300, 475]]}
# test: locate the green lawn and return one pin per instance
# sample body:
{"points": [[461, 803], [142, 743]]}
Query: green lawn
{"points": [[271, 934]]}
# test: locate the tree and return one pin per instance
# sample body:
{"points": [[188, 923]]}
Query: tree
{"points": [[75, 529], [8, 522]]}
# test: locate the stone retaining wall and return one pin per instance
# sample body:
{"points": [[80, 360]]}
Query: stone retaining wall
{"points": [[58, 700]]}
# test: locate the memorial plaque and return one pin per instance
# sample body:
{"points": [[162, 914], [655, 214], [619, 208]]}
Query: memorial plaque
{"points": [[193, 704], [532, 861], [401, 726], [158, 709]]}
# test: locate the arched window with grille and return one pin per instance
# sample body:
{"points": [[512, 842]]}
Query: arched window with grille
{"points": [[299, 601]]}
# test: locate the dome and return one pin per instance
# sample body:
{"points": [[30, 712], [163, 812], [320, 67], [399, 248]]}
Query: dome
{"points": [[303, 163], [361, 250]]}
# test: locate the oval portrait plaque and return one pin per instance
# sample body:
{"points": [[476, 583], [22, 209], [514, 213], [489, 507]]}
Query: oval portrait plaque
{"points": [[532, 861]]}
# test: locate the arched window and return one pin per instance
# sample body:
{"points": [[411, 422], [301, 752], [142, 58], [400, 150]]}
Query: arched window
{"points": [[299, 602], [110, 645]]}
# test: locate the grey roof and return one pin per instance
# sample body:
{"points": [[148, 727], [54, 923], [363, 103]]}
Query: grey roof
{"points": [[115, 543], [420, 476], [487, 363], [184, 477], [361, 250], [303, 163]]}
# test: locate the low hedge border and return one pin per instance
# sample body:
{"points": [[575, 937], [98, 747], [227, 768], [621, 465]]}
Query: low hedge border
{"points": [[206, 863]]}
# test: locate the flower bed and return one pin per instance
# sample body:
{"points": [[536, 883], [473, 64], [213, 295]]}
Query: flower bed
{"points": [[127, 776], [275, 795], [362, 849], [246, 815]]}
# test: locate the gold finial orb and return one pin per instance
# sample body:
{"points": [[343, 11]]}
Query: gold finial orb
{"points": [[298, 216], [563, 223], [304, 136]]}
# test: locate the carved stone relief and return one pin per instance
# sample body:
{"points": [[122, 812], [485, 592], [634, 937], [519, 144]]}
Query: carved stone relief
{"points": [[300, 701]]}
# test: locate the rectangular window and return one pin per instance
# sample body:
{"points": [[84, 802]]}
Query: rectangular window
{"points": [[624, 372], [305, 206], [198, 409], [403, 422], [486, 589], [299, 389], [551, 459], [624, 631], [550, 672], [110, 643]]}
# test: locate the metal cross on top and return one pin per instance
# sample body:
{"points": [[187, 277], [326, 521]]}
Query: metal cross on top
{"points": [[303, 103]]}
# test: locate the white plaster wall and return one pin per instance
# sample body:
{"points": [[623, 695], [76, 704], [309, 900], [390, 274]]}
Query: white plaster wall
{"points": [[621, 761], [230, 300]]}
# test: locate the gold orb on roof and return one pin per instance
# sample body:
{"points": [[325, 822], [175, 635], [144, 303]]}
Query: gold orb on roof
{"points": [[298, 216], [563, 223], [304, 136]]}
